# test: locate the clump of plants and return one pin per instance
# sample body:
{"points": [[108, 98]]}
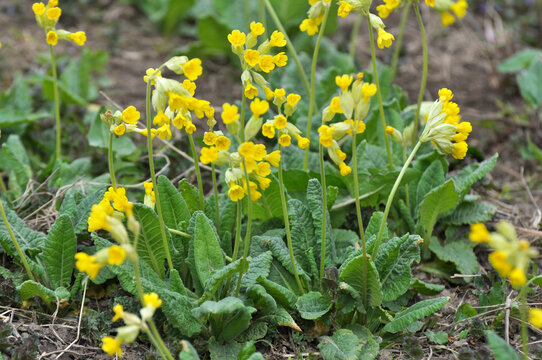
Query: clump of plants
{"points": [[269, 247]]}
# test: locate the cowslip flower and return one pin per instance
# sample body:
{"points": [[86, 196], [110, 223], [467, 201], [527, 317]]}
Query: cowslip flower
{"points": [[535, 317], [47, 17], [315, 16]]}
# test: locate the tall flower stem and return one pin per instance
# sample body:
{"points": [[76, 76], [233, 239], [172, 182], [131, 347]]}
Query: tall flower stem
{"points": [[324, 216], [358, 212], [379, 93], [289, 44], [407, 191], [198, 172], [215, 191], [57, 105], [524, 321], [354, 37], [249, 226], [399, 41], [312, 93], [16, 243], [152, 172], [110, 160], [287, 225], [392, 195], [237, 232], [425, 68]]}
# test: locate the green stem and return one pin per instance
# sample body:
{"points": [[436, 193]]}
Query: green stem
{"points": [[354, 37], [324, 216], [249, 226], [110, 159], [399, 42], [358, 212], [215, 190], [379, 93], [198, 172], [57, 105], [392, 194], [524, 321], [16, 243], [153, 174], [424, 74], [289, 44], [263, 18], [243, 112], [312, 94], [177, 232], [237, 232], [154, 342], [246, 9], [287, 225], [159, 340], [407, 191], [3, 185]]}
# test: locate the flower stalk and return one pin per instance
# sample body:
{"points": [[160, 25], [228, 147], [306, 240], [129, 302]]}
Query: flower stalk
{"points": [[110, 160], [215, 191], [424, 73], [58, 152], [198, 172]]}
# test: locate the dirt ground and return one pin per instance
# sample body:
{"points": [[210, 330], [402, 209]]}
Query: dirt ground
{"points": [[463, 57]]}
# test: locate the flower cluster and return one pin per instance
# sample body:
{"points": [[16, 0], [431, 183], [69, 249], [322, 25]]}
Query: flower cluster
{"points": [[133, 324], [446, 8], [107, 215], [126, 121], [257, 59], [173, 101], [443, 127], [511, 256], [47, 17], [315, 16], [279, 125], [353, 103]]}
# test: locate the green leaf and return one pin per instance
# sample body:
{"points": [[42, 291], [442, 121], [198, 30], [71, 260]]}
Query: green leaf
{"points": [[529, 83], [417, 311], [424, 288], [82, 211], [394, 261], [220, 276], [261, 299], [473, 173], [68, 173], [314, 200], [150, 246], [190, 195], [174, 208], [465, 311], [343, 345], [500, 348], [282, 255], [436, 202], [373, 227], [313, 305], [269, 205], [176, 283], [188, 352], [281, 294], [18, 163], [458, 252], [370, 347], [98, 137], [352, 272], [519, 61], [9, 117], [259, 266], [29, 289], [227, 351], [431, 178], [469, 212], [302, 232], [207, 253], [58, 254], [30, 241], [281, 317], [439, 337]]}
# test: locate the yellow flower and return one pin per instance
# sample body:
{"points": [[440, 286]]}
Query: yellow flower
{"points": [[498, 260], [293, 99], [335, 105], [358, 125], [179, 121], [344, 9], [130, 115], [98, 218], [326, 135], [222, 143], [280, 122], [460, 8], [459, 150], [277, 39], [344, 81], [237, 38], [478, 233], [192, 69], [311, 25], [208, 155], [259, 107], [236, 193], [280, 93], [446, 18], [251, 91], [152, 300], [252, 57], [230, 113], [119, 199], [269, 94], [256, 28], [148, 187], [266, 63], [38, 8], [119, 312], [189, 86], [344, 169], [111, 346], [384, 39], [383, 11], [535, 317], [52, 38], [116, 255], [268, 130], [281, 59], [53, 13], [149, 73], [52, 3], [119, 130], [285, 140], [368, 91], [273, 158], [303, 142], [78, 38], [517, 277], [430, 3], [88, 264], [264, 169], [209, 138]]}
